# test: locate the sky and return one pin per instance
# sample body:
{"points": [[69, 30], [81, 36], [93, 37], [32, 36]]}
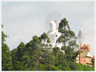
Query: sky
{"points": [[23, 20]]}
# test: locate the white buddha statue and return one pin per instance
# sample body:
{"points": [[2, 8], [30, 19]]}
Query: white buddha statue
{"points": [[53, 34]]}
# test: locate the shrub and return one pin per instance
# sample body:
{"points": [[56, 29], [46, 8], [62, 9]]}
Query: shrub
{"points": [[41, 67], [53, 68], [31, 68]]}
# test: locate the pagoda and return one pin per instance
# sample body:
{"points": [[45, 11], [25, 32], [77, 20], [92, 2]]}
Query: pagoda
{"points": [[85, 57]]}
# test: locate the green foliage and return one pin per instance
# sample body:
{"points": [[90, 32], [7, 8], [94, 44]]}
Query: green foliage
{"points": [[88, 68], [6, 58], [68, 36], [20, 50], [69, 53], [31, 69], [3, 36], [36, 43], [48, 40], [73, 66], [26, 60], [6, 55], [46, 45], [45, 37], [35, 56], [64, 48], [52, 68], [41, 67], [79, 67], [92, 60], [36, 39], [68, 39], [62, 59], [56, 51], [50, 45], [18, 66], [13, 55], [59, 39], [51, 58]]}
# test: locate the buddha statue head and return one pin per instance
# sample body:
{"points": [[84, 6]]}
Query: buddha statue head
{"points": [[52, 25]]}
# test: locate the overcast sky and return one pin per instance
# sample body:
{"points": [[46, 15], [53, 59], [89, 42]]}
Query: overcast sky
{"points": [[23, 20]]}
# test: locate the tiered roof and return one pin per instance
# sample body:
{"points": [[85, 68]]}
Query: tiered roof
{"points": [[85, 47]]}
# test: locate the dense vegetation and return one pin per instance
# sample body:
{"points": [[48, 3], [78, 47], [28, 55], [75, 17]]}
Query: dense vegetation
{"points": [[37, 56]]}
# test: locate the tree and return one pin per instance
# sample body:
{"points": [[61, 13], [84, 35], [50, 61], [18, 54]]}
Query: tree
{"points": [[35, 59], [26, 61], [46, 50], [20, 50], [56, 51], [88, 68], [50, 45], [45, 38], [69, 53], [61, 60], [6, 58], [45, 57], [6, 54], [3, 36], [13, 55], [59, 39], [18, 66], [37, 47], [36, 43], [50, 60], [67, 37], [73, 66], [41, 67], [31, 69]]}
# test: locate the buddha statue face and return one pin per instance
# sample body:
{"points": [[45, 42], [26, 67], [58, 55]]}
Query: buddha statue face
{"points": [[52, 25]]}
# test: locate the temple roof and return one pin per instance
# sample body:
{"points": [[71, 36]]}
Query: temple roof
{"points": [[84, 45]]}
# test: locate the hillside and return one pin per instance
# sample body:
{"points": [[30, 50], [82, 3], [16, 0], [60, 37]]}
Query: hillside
{"points": [[36, 56]]}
